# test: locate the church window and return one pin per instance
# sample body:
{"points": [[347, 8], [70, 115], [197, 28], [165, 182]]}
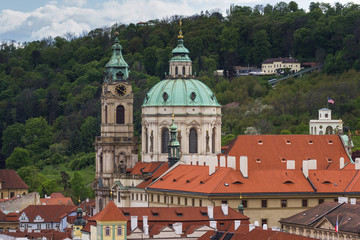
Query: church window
{"points": [[193, 141], [176, 70], [185, 201], [145, 197], [213, 140], [193, 202], [158, 198], [137, 197], [101, 162], [119, 197], [146, 140], [152, 197], [132, 196], [172, 200], [106, 115], [200, 203], [264, 203], [164, 140], [107, 231], [100, 205], [183, 71], [119, 230], [120, 114], [179, 201], [141, 197]]}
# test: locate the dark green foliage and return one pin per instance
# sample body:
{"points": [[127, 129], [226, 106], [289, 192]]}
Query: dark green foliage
{"points": [[50, 89]]}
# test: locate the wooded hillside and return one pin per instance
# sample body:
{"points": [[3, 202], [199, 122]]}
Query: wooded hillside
{"points": [[50, 89]]}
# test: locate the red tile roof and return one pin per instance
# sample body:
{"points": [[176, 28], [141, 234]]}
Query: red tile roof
{"points": [[11, 180], [50, 213], [228, 180], [110, 213], [57, 195], [144, 167], [57, 201], [271, 151], [157, 173], [48, 234]]}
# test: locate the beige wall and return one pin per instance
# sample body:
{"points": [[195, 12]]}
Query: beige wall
{"points": [[273, 213]]}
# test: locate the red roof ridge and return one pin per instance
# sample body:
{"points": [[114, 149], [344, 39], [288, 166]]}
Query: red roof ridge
{"points": [[110, 213]]}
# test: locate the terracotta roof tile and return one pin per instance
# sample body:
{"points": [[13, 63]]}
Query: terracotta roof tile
{"points": [[272, 151], [57, 201], [50, 213], [57, 195], [11, 180], [228, 180], [110, 213], [158, 172]]}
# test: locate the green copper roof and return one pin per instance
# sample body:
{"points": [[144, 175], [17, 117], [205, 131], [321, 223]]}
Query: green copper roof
{"points": [[180, 53], [180, 92], [116, 69]]}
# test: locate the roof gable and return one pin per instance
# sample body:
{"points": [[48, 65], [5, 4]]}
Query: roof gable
{"points": [[110, 213], [11, 180]]}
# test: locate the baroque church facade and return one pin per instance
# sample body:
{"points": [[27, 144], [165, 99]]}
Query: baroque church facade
{"points": [[179, 104]]}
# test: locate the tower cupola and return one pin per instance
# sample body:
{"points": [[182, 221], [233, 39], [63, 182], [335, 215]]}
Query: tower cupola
{"points": [[180, 65], [116, 69]]}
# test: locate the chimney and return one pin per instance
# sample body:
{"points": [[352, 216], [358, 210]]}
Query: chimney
{"points": [[251, 227], [210, 210], [290, 164], [212, 165], [213, 224], [178, 228], [342, 163], [265, 227], [237, 224], [222, 161], [87, 199], [353, 201], [357, 163], [305, 168], [134, 222], [244, 166], [146, 229], [145, 221], [225, 209], [256, 223], [231, 162], [312, 164]]}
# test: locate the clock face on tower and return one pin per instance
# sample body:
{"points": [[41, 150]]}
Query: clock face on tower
{"points": [[120, 90]]}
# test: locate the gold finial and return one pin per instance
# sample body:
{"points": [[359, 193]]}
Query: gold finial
{"points": [[173, 117], [240, 196], [116, 34], [79, 200], [180, 32]]}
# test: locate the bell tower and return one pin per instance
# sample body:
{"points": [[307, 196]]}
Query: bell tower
{"points": [[116, 148]]}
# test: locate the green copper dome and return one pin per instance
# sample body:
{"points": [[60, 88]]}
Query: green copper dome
{"points": [[180, 92]]}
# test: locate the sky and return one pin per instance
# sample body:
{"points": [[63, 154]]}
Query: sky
{"points": [[29, 20]]}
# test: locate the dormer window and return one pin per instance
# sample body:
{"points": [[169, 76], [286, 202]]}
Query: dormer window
{"points": [[260, 142]]}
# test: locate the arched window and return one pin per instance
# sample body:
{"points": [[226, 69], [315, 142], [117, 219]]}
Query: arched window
{"points": [[213, 140], [101, 163], [183, 71], [193, 141], [100, 204], [176, 70], [146, 140], [106, 115], [164, 140], [120, 114]]}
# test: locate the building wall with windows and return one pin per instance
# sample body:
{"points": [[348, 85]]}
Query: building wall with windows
{"points": [[276, 65]]}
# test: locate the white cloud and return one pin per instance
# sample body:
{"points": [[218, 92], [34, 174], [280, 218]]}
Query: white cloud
{"points": [[11, 20], [78, 3]]}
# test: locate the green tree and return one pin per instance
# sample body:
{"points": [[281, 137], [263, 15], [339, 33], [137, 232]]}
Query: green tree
{"points": [[78, 187], [12, 138], [38, 135], [19, 158]]}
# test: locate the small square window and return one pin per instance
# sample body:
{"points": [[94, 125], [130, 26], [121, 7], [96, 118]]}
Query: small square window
{"points": [[321, 200], [263, 222], [283, 203], [245, 203], [304, 203]]}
